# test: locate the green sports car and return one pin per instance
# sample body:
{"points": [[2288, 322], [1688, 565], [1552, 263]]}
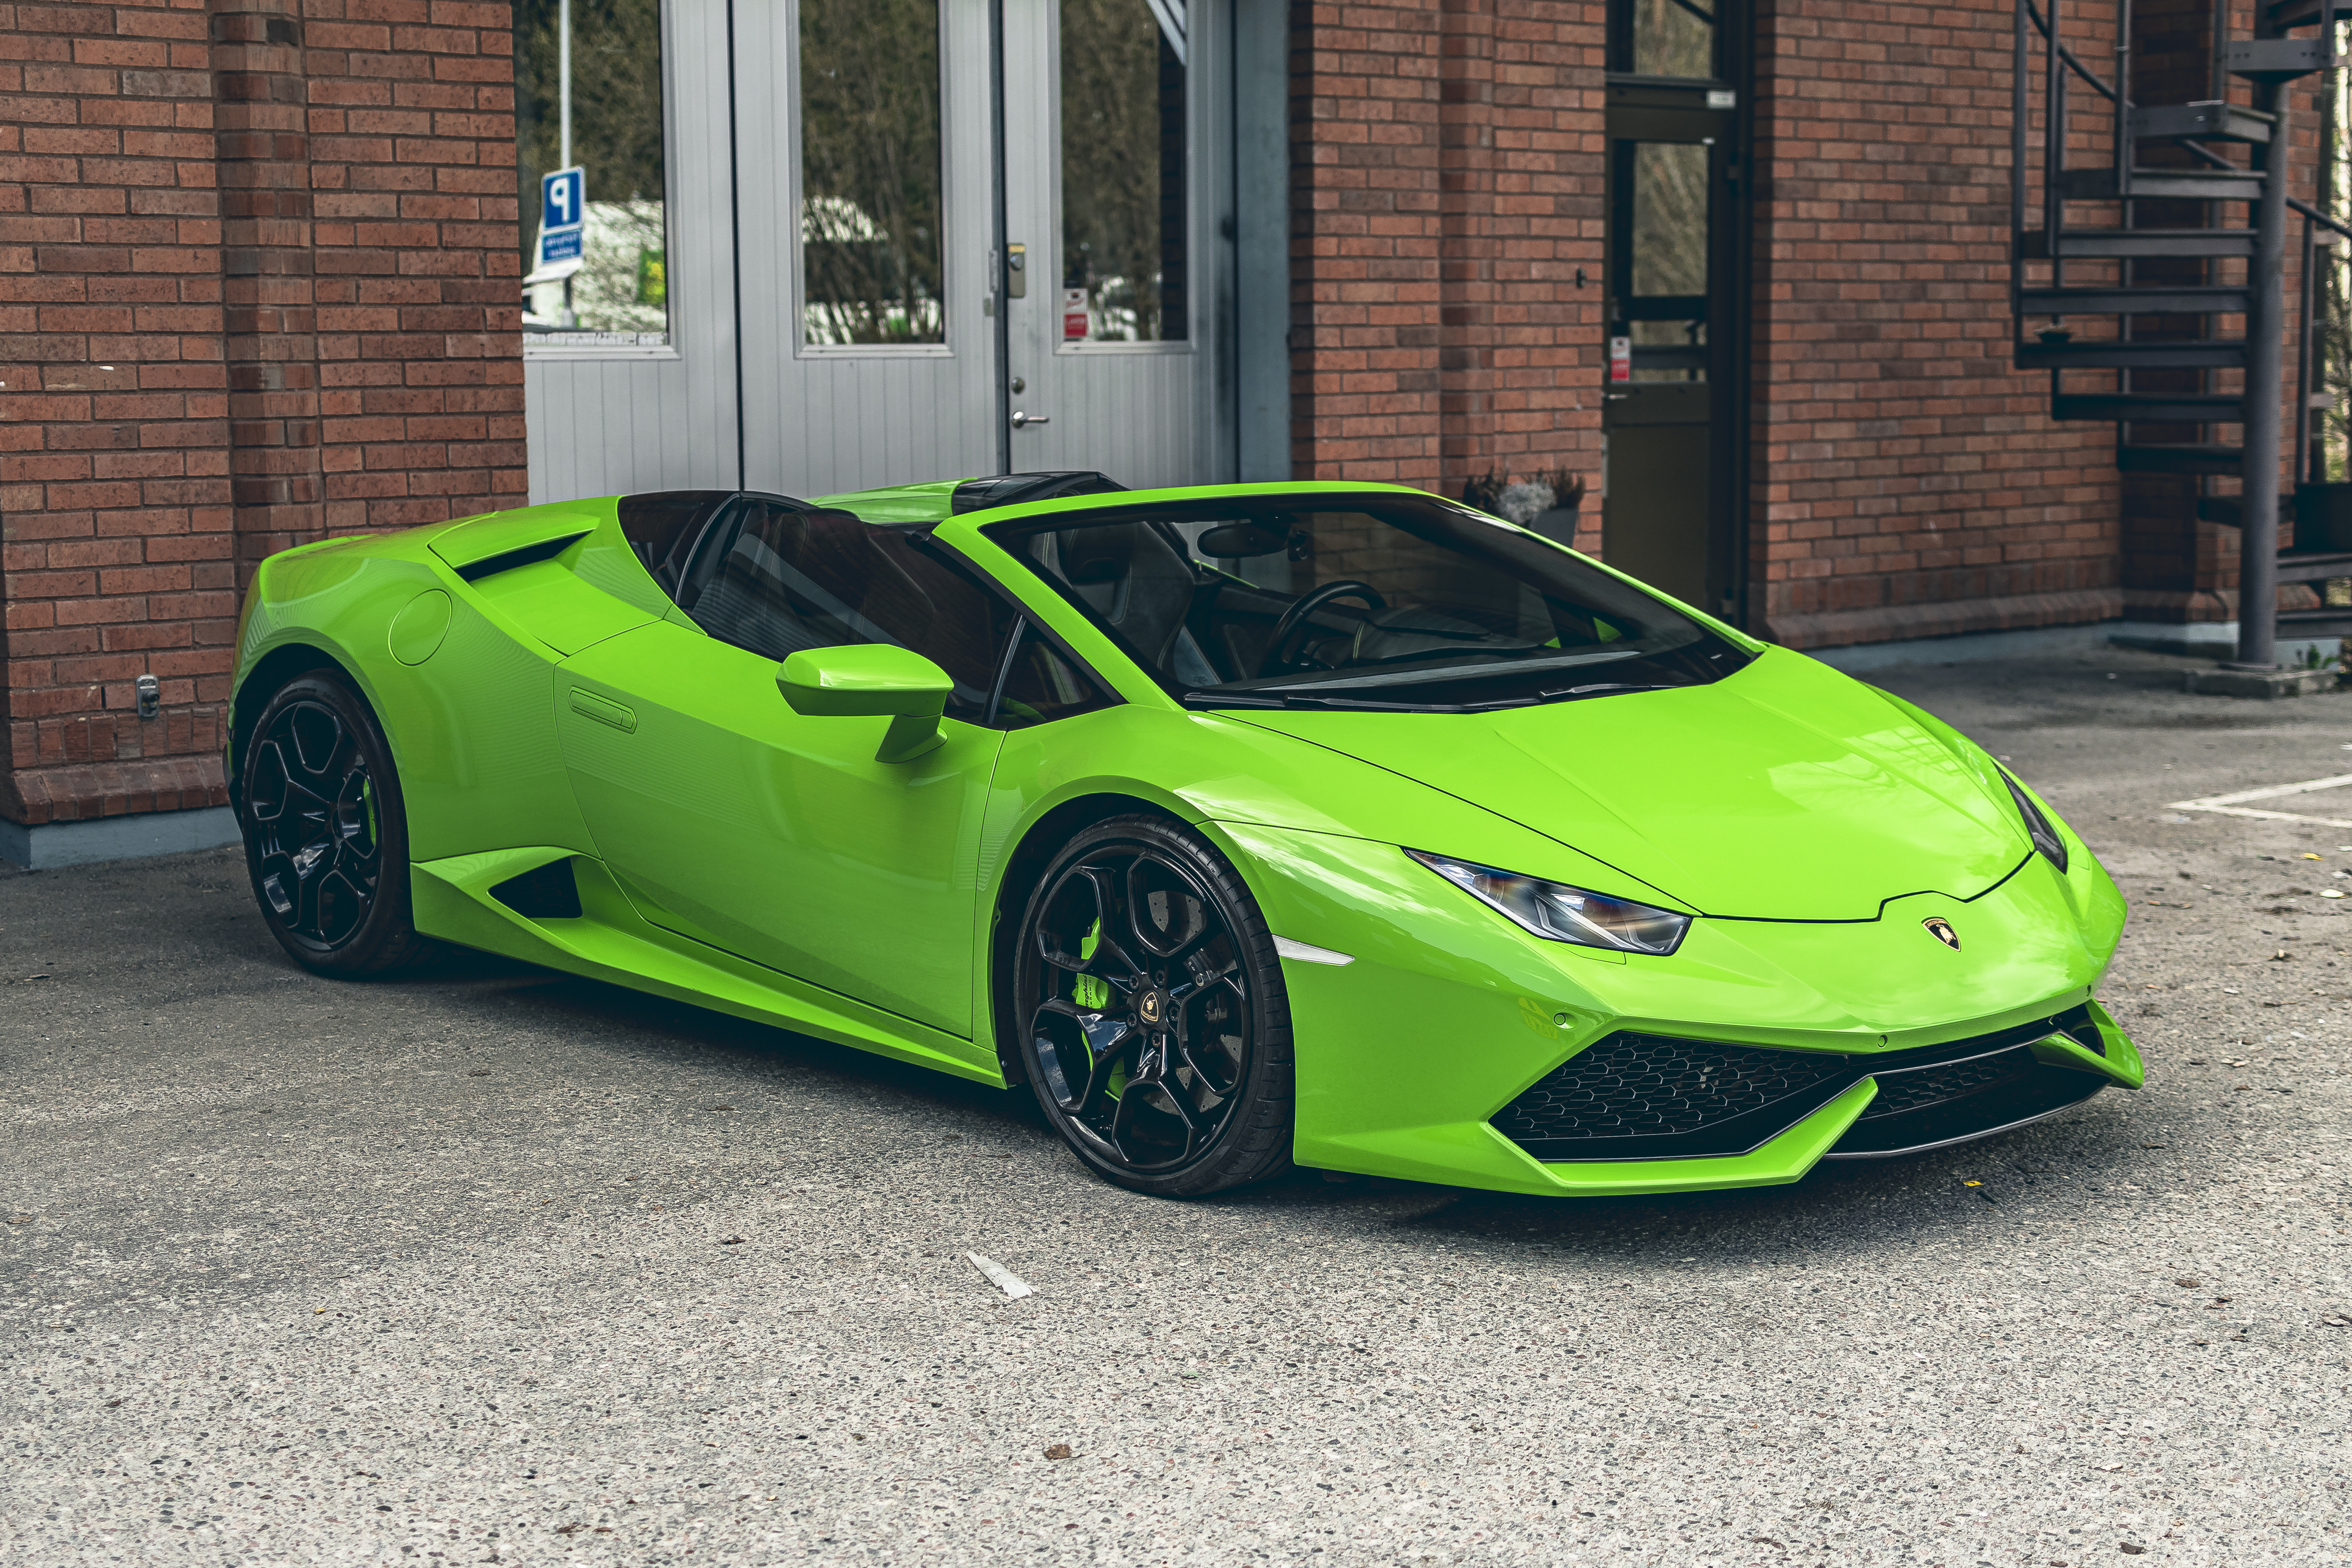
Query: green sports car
{"points": [[1249, 825]]}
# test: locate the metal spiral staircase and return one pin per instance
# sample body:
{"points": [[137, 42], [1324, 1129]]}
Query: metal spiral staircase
{"points": [[2169, 288]]}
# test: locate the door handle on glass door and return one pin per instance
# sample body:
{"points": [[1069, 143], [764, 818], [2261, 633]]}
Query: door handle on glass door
{"points": [[1019, 419]]}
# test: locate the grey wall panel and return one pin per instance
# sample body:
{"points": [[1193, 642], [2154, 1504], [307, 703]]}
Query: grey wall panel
{"points": [[601, 424]]}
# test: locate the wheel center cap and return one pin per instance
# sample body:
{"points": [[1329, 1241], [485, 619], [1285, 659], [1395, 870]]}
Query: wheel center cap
{"points": [[1151, 1006]]}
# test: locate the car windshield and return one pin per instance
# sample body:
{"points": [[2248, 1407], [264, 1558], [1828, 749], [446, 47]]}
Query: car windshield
{"points": [[1373, 602]]}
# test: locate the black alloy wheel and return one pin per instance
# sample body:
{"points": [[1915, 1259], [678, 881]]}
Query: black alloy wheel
{"points": [[326, 839], [1154, 1027]]}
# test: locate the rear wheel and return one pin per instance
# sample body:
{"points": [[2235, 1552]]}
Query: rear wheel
{"points": [[1154, 1025], [326, 839]]}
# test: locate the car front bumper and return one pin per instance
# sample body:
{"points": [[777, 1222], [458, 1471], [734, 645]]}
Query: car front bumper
{"points": [[1438, 1052]]}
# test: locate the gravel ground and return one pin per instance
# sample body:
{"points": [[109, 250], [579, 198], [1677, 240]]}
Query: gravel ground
{"points": [[492, 1266]]}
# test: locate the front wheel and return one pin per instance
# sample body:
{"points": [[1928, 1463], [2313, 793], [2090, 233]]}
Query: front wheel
{"points": [[326, 839], [1153, 1022]]}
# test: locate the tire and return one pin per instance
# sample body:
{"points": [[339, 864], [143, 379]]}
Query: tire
{"points": [[1153, 1023], [326, 835]]}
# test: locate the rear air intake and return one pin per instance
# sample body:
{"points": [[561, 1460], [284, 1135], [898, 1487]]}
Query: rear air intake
{"points": [[508, 560]]}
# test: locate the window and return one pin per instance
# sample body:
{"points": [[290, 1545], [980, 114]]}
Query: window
{"points": [[775, 576], [1398, 603], [1663, 37], [1040, 686], [613, 289], [871, 245], [1125, 245]]}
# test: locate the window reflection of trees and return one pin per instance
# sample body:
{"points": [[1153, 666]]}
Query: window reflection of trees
{"points": [[870, 176], [1674, 37], [1123, 206], [616, 137], [1670, 233]]}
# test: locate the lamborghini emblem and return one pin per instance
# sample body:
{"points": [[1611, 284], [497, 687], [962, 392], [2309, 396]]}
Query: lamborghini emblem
{"points": [[1942, 930]]}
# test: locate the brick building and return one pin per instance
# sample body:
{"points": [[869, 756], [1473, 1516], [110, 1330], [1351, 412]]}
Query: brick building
{"points": [[270, 270]]}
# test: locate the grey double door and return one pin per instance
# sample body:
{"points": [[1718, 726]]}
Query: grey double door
{"points": [[845, 180], [896, 328]]}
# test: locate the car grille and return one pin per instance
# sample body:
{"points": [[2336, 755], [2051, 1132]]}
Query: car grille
{"points": [[1645, 1097], [1902, 1091], [1639, 1086]]}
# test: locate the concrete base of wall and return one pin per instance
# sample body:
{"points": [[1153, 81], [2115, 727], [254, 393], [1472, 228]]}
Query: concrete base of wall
{"points": [[2211, 639], [2199, 639], [56, 844], [2032, 643], [2260, 683]]}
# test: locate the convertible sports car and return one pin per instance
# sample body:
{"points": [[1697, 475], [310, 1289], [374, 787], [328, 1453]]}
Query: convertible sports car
{"points": [[1248, 825]]}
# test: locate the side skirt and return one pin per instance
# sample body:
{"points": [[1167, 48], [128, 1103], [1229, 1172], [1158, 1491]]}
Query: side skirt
{"points": [[609, 941]]}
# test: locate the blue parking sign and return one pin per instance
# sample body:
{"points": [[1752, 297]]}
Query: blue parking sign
{"points": [[562, 199]]}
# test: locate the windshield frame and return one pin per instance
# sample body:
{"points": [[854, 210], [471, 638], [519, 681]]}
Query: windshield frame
{"points": [[1712, 653]]}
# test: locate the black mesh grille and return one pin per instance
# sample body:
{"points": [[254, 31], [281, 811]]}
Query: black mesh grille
{"points": [[1637, 1086], [1649, 1097], [1902, 1091]]}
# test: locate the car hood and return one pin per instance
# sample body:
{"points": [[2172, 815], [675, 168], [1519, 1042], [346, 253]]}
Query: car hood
{"points": [[1786, 791]]}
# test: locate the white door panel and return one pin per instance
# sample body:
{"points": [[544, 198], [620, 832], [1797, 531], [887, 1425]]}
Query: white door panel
{"points": [[1148, 412], [821, 418]]}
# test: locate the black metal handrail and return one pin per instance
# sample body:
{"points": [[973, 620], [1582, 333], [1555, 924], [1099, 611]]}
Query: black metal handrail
{"points": [[2068, 54]]}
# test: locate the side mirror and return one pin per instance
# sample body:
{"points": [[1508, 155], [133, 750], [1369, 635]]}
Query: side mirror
{"points": [[871, 680]]}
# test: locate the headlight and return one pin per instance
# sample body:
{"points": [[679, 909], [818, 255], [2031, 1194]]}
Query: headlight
{"points": [[1557, 912], [2037, 826]]}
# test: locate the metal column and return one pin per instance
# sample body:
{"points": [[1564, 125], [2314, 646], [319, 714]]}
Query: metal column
{"points": [[2265, 324]]}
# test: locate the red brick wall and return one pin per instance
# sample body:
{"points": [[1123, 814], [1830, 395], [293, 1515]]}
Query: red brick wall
{"points": [[1907, 481], [1446, 180], [200, 368]]}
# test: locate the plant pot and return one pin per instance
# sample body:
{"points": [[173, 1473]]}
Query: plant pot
{"points": [[2323, 517], [1558, 525]]}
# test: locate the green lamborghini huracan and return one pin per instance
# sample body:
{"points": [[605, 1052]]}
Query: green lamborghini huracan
{"points": [[1249, 825]]}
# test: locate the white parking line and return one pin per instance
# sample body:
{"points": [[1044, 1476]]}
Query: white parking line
{"points": [[2234, 804]]}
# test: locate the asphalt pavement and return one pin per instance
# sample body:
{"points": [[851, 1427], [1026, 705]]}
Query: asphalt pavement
{"points": [[490, 1264]]}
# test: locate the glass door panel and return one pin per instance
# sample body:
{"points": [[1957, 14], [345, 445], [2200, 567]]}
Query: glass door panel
{"points": [[1126, 239], [871, 252]]}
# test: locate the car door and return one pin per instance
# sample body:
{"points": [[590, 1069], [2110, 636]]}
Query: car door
{"points": [[776, 837]]}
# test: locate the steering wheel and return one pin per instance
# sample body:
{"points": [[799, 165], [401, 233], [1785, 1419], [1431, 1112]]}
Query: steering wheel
{"points": [[1295, 618]]}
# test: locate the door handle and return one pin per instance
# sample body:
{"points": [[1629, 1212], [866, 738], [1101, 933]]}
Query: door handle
{"points": [[604, 710], [1615, 397], [1019, 419]]}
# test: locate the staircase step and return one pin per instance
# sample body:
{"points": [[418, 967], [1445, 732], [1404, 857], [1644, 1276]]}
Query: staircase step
{"points": [[2146, 354], [2159, 243], [2275, 59], [2186, 408], [2182, 459], [2199, 301], [2211, 120], [2160, 185], [2285, 14], [2310, 567], [2300, 566]]}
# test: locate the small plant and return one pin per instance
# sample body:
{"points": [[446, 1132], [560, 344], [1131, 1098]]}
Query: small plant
{"points": [[1522, 500], [2313, 659], [1485, 491]]}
